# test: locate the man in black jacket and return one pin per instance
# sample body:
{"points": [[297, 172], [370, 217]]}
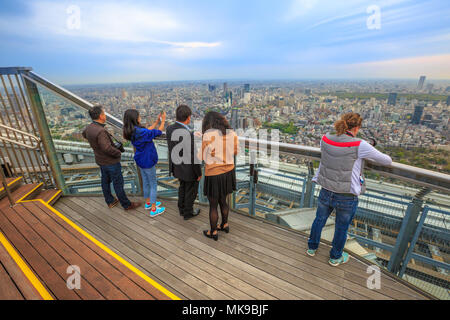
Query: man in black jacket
{"points": [[180, 140]]}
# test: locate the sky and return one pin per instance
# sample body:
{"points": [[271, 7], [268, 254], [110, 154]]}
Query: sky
{"points": [[78, 41]]}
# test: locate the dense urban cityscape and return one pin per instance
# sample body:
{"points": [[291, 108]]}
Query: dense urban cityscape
{"points": [[409, 119]]}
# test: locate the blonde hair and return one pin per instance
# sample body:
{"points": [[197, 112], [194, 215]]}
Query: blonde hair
{"points": [[347, 122]]}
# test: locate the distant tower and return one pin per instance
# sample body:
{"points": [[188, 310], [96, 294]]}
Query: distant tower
{"points": [[247, 87], [392, 99], [225, 90], [421, 82], [418, 112], [234, 118]]}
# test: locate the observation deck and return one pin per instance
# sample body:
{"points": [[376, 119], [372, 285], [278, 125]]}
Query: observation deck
{"points": [[53, 219]]}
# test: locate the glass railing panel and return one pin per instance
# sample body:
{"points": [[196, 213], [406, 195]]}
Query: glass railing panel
{"points": [[427, 263], [76, 159]]}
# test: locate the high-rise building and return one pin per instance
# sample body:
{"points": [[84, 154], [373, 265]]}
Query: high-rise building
{"points": [[402, 101], [418, 112], [225, 90], [392, 99], [448, 100], [247, 87], [234, 118], [211, 87], [421, 82]]}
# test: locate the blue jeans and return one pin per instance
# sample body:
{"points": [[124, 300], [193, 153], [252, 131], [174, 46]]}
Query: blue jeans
{"points": [[149, 183], [113, 173], [345, 206]]}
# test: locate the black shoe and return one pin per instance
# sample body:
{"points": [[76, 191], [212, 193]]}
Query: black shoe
{"points": [[211, 235], [194, 214], [221, 228]]}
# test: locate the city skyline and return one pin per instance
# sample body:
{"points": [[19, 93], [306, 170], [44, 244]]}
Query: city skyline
{"points": [[82, 42]]}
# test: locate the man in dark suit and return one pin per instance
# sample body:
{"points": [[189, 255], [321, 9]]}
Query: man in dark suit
{"points": [[182, 164]]}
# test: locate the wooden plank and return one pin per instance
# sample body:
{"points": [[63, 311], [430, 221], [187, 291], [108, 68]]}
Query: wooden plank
{"points": [[179, 240], [48, 276], [300, 292], [50, 195], [265, 285], [158, 249], [179, 255], [357, 269], [164, 234], [278, 267], [127, 251], [106, 281], [180, 230], [126, 280], [8, 290], [113, 244], [17, 276], [19, 193], [360, 281], [53, 250]]}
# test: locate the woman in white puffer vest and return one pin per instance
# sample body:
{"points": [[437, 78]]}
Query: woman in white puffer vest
{"points": [[342, 180]]}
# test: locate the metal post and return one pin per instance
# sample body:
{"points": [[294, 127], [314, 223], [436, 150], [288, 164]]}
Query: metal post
{"points": [[309, 193], [252, 185], [406, 233], [44, 131], [252, 197], [201, 186], [407, 230], [233, 195], [5, 186]]}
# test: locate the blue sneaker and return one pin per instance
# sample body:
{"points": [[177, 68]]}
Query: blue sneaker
{"points": [[343, 259], [157, 212], [311, 252], [149, 206]]}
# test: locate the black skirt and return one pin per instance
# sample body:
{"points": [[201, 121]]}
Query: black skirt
{"points": [[220, 185]]}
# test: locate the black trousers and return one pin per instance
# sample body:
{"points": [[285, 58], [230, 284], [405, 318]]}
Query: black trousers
{"points": [[187, 193]]}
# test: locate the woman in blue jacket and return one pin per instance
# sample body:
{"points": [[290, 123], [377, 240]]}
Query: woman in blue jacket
{"points": [[145, 156]]}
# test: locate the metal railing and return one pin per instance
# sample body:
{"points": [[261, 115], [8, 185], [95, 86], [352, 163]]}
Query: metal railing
{"points": [[394, 228]]}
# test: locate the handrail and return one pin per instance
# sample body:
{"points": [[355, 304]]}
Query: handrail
{"points": [[23, 133], [423, 177], [69, 96]]}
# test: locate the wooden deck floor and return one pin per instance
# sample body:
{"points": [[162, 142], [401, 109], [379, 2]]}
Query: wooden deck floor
{"points": [[255, 260], [49, 245]]}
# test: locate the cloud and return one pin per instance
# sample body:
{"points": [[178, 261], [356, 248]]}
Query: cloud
{"points": [[434, 66], [103, 21], [300, 8]]}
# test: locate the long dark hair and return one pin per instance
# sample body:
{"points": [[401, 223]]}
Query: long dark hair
{"points": [[214, 120], [130, 121]]}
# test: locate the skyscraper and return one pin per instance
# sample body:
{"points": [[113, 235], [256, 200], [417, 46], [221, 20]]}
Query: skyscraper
{"points": [[418, 111], [247, 87], [421, 82], [225, 90], [234, 118], [392, 99], [448, 100]]}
